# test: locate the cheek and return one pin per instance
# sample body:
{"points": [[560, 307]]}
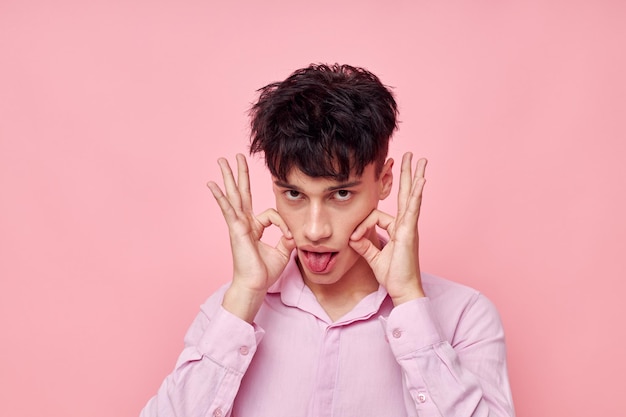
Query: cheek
{"points": [[348, 220], [288, 216]]}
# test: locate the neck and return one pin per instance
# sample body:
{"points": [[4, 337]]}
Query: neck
{"points": [[341, 297]]}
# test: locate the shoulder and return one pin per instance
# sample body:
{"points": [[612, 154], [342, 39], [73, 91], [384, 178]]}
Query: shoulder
{"points": [[459, 307], [444, 290], [437, 288]]}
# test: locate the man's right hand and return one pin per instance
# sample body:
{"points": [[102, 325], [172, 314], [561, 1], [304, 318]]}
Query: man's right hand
{"points": [[256, 265]]}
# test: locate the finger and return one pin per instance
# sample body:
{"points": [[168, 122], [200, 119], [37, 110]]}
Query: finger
{"points": [[286, 245], [375, 218], [227, 209], [419, 181], [420, 168], [230, 186], [271, 217], [366, 249], [404, 190], [406, 227], [243, 183]]}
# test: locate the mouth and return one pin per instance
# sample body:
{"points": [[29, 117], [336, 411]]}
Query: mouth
{"points": [[318, 262]]}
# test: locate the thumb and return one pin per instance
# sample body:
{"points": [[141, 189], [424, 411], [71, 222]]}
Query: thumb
{"points": [[286, 245], [366, 249]]}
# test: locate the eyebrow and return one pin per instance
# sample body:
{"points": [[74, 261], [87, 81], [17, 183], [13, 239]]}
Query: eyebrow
{"points": [[342, 186]]}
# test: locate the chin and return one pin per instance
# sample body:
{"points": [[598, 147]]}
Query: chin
{"points": [[326, 279]]}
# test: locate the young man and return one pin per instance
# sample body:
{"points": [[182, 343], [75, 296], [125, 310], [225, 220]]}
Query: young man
{"points": [[334, 320]]}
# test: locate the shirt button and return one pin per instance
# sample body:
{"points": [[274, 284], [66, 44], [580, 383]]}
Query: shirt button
{"points": [[421, 397], [217, 412], [243, 351], [396, 333]]}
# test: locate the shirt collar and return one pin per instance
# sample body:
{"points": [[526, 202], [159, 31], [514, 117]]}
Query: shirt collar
{"points": [[294, 293]]}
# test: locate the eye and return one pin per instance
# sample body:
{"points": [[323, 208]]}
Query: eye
{"points": [[292, 195], [342, 195]]}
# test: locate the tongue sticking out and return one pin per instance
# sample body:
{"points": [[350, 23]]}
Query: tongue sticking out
{"points": [[318, 261]]}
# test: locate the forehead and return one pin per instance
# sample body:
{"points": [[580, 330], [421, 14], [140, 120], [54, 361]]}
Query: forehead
{"points": [[296, 179]]}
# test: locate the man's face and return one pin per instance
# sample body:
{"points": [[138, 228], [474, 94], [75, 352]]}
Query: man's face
{"points": [[322, 213]]}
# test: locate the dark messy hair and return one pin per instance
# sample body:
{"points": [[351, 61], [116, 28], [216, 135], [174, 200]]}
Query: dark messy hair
{"points": [[327, 121]]}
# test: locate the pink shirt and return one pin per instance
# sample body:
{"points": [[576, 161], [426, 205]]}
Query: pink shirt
{"points": [[443, 355]]}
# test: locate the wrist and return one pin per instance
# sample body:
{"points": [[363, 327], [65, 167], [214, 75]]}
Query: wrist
{"points": [[242, 302], [407, 294]]}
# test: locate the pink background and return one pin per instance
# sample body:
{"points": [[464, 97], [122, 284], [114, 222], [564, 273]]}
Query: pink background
{"points": [[112, 114]]}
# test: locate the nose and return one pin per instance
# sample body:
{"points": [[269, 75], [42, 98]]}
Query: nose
{"points": [[317, 226]]}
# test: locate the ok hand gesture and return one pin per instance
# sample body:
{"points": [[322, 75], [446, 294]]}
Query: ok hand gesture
{"points": [[256, 265], [396, 266]]}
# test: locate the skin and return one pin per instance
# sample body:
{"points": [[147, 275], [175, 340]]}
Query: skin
{"points": [[323, 215]]}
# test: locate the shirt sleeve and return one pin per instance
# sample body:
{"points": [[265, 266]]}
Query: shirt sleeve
{"points": [[465, 377], [218, 350]]}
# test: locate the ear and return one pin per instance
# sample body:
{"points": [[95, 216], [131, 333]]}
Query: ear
{"points": [[386, 179]]}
